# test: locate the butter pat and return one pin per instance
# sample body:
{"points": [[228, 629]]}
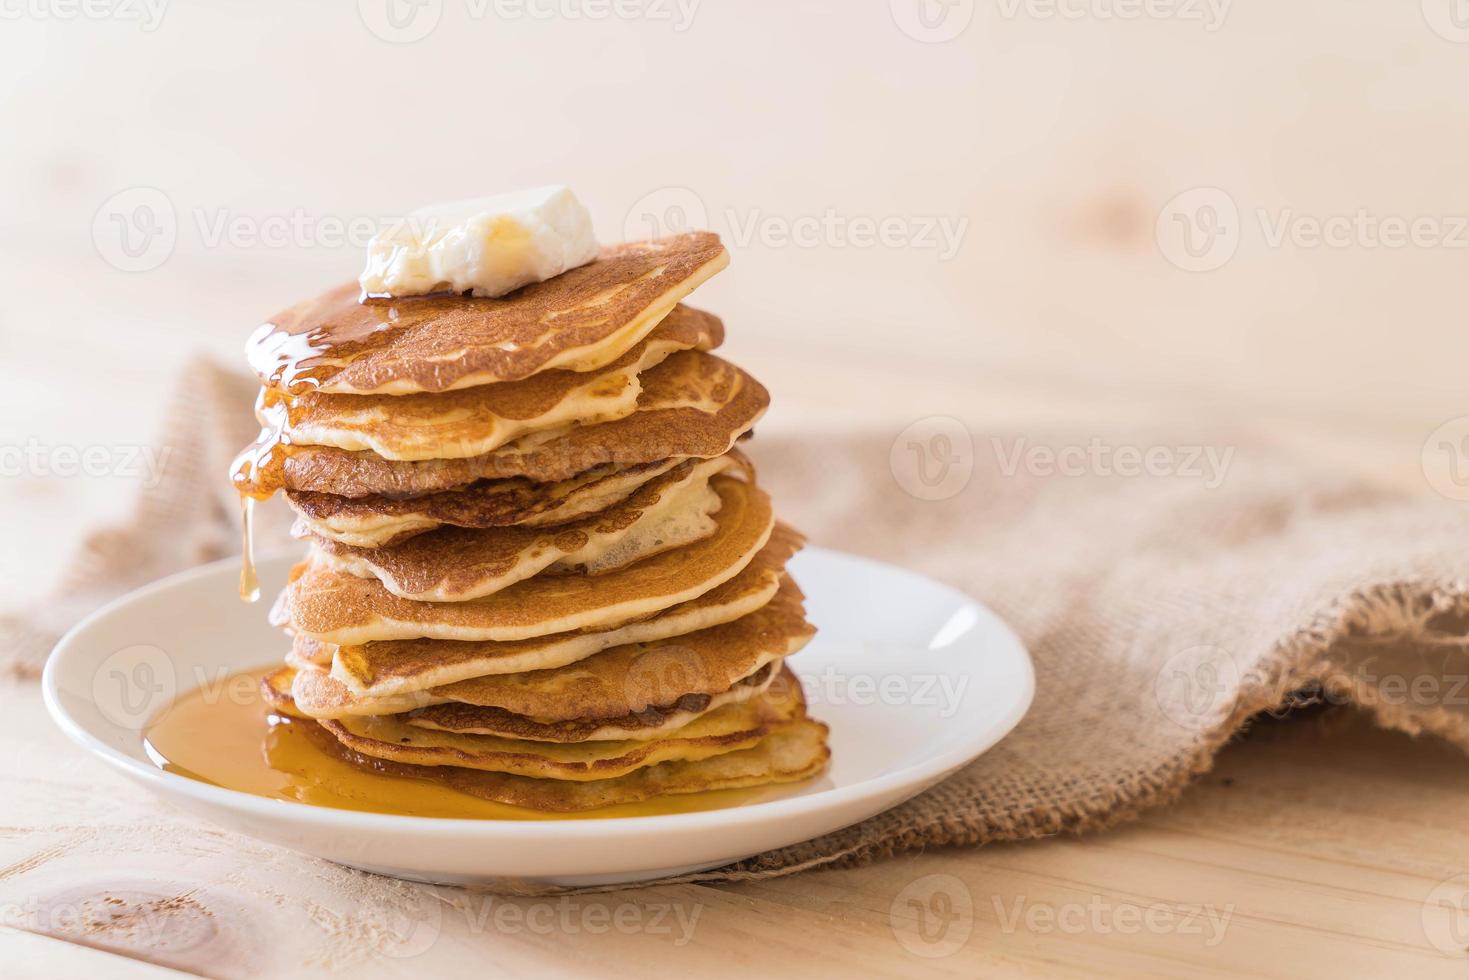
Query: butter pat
{"points": [[489, 246]]}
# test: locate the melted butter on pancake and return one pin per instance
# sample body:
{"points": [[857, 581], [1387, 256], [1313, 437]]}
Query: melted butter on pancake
{"points": [[579, 321], [473, 421]]}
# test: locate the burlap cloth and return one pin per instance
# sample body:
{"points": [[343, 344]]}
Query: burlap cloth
{"points": [[1162, 611]]}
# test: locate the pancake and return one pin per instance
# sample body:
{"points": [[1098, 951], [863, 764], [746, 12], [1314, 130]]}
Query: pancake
{"points": [[456, 564], [650, 723], [473, 421], [580, 320], [276, 691], [792, 751], [692, 405], [405, 666], [340, 608], [313, 687], [727, 729], [375, 521], [621, 680]]}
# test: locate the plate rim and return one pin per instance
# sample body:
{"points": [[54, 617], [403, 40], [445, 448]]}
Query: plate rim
{"points": [[918, 777]]}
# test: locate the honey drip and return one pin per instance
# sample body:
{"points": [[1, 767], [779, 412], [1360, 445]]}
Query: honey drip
{"points": [[249, 581], [224, 734]]}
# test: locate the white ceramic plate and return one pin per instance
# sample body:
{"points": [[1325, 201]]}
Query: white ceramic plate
{"points": [[914, 678]]}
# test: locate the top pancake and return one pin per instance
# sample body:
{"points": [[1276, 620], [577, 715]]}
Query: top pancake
{"points": [[578, 321], [471, 421]]}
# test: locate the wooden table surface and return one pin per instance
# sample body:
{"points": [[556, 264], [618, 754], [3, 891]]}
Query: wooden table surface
{"points": [[1318, 846]]}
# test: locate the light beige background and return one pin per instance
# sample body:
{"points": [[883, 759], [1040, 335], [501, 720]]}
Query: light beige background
{"points": [[1055, 141]]}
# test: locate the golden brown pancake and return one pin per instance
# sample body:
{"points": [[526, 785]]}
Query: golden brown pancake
{"points": [[340, 608], [732, 727], [375, 521], [650, 723], [792, 751], [455, 564], [692, 405], [275, 690], [578, 321], [621, 680], [400, 667], [474, 421]]}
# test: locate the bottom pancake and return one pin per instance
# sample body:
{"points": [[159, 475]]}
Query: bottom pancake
{"points": [[734, 726], [790, 752]]}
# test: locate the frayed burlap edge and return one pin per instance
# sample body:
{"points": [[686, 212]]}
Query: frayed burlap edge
{"points": [[1398, 614]]}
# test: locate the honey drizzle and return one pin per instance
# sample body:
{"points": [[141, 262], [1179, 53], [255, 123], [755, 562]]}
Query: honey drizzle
{"points": [[223, 734], [249, 581]]}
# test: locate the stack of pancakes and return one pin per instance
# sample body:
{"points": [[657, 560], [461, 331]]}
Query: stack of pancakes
{"points": [[540, 572]]}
